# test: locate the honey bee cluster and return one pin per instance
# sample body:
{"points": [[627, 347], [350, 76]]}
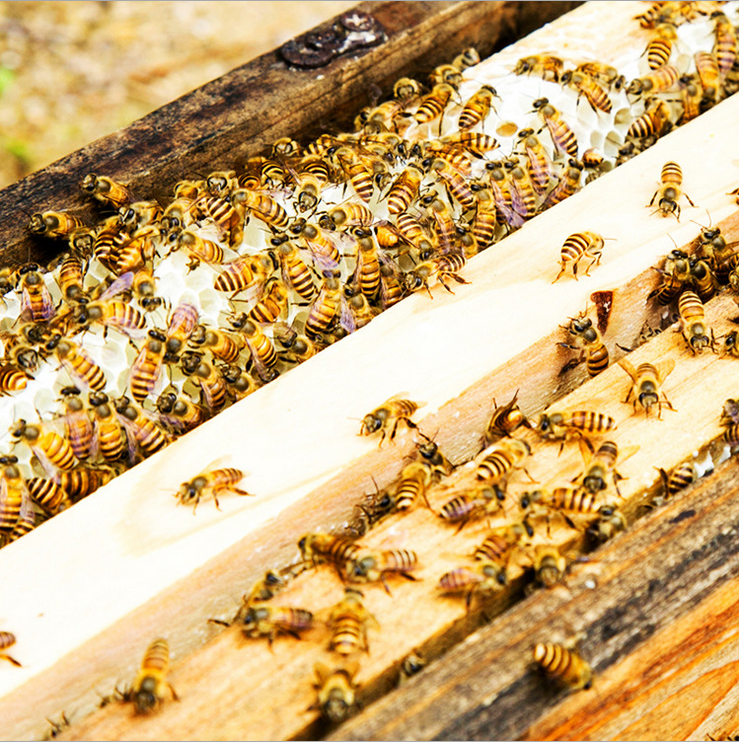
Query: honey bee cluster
{"points": [[160, 315]]}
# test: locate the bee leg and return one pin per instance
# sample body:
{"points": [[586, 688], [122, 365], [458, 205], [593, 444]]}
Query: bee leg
{"points": [[219, 622], [175, 697], [385, 586], [689, 201], [10, 659], [653, 197]]}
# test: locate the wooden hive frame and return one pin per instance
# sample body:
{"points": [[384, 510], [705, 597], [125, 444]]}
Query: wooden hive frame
{"points": [[160, 571]]}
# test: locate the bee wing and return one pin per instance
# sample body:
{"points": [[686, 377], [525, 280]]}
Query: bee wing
{"points": [[664, 368], [46, 310], [219, 462], [626, 452], [124, 282], [346, 316], [628, 367]]}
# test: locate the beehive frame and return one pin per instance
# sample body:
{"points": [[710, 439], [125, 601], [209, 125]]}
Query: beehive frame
{"points": [[438, 392]]}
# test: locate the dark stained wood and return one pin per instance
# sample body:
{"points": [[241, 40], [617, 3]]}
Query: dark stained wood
{"points": [[241, 113], [676, 567]]}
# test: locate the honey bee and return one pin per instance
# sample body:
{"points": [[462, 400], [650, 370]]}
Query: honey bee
{"points": [[7, 640], [538, 161], [433, 105], [404, 190], [336, 690], [691, 95], [670, 190], [567, 502], [261, 347], [106, 190], [549, 565], [647, 380], [682, 476], [178, 413], [446, 73], [466, 58], [111, 313], [269, 621], [227, 218], [505, 420], [485, 220], [564, 665], [604, 73], [220, 183], [576, 247], [414, 479], [374, 566], [348, 622], [81, 481], [54, 224], [110, 438], [724, 46], [211, 482], [601, 466], [222, 345], [263, 589], [709, 75], [109, 239], [501, 543], [141, 427], [147, 366], [442, 266], [198, 248], [242, 273], [473, 142], [71, 278], [348, 162], [80, 367], [585, 337], [731, 346], [78, 428], [52, 451], [12, 379], [48, 495], [501, 458], [675, 276], [561, 425], [659, 48], [139, 214], [388, 416], [702, 279], [150, 688], [391, 289], [588, 87], [182, 322], [178, 215], [693, 322], [207, 378], [477, 108], [322, 248], [14, 495], [526, 194], [36, 302], [545, 65], [567, 186], [351, 214], [658, 81], [609, 522], [406, 89], [562, 135], [483, 500], [295, 271], [319, 548], [485, 577]]}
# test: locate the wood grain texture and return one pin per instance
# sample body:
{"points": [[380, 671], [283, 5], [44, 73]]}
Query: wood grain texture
{"points": [[240, 114]]}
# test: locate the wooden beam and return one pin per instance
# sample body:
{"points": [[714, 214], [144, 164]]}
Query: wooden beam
{"points": [[656, 607]]}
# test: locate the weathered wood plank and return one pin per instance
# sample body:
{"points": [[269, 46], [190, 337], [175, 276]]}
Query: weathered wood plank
{"points": [[657, 609]]}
